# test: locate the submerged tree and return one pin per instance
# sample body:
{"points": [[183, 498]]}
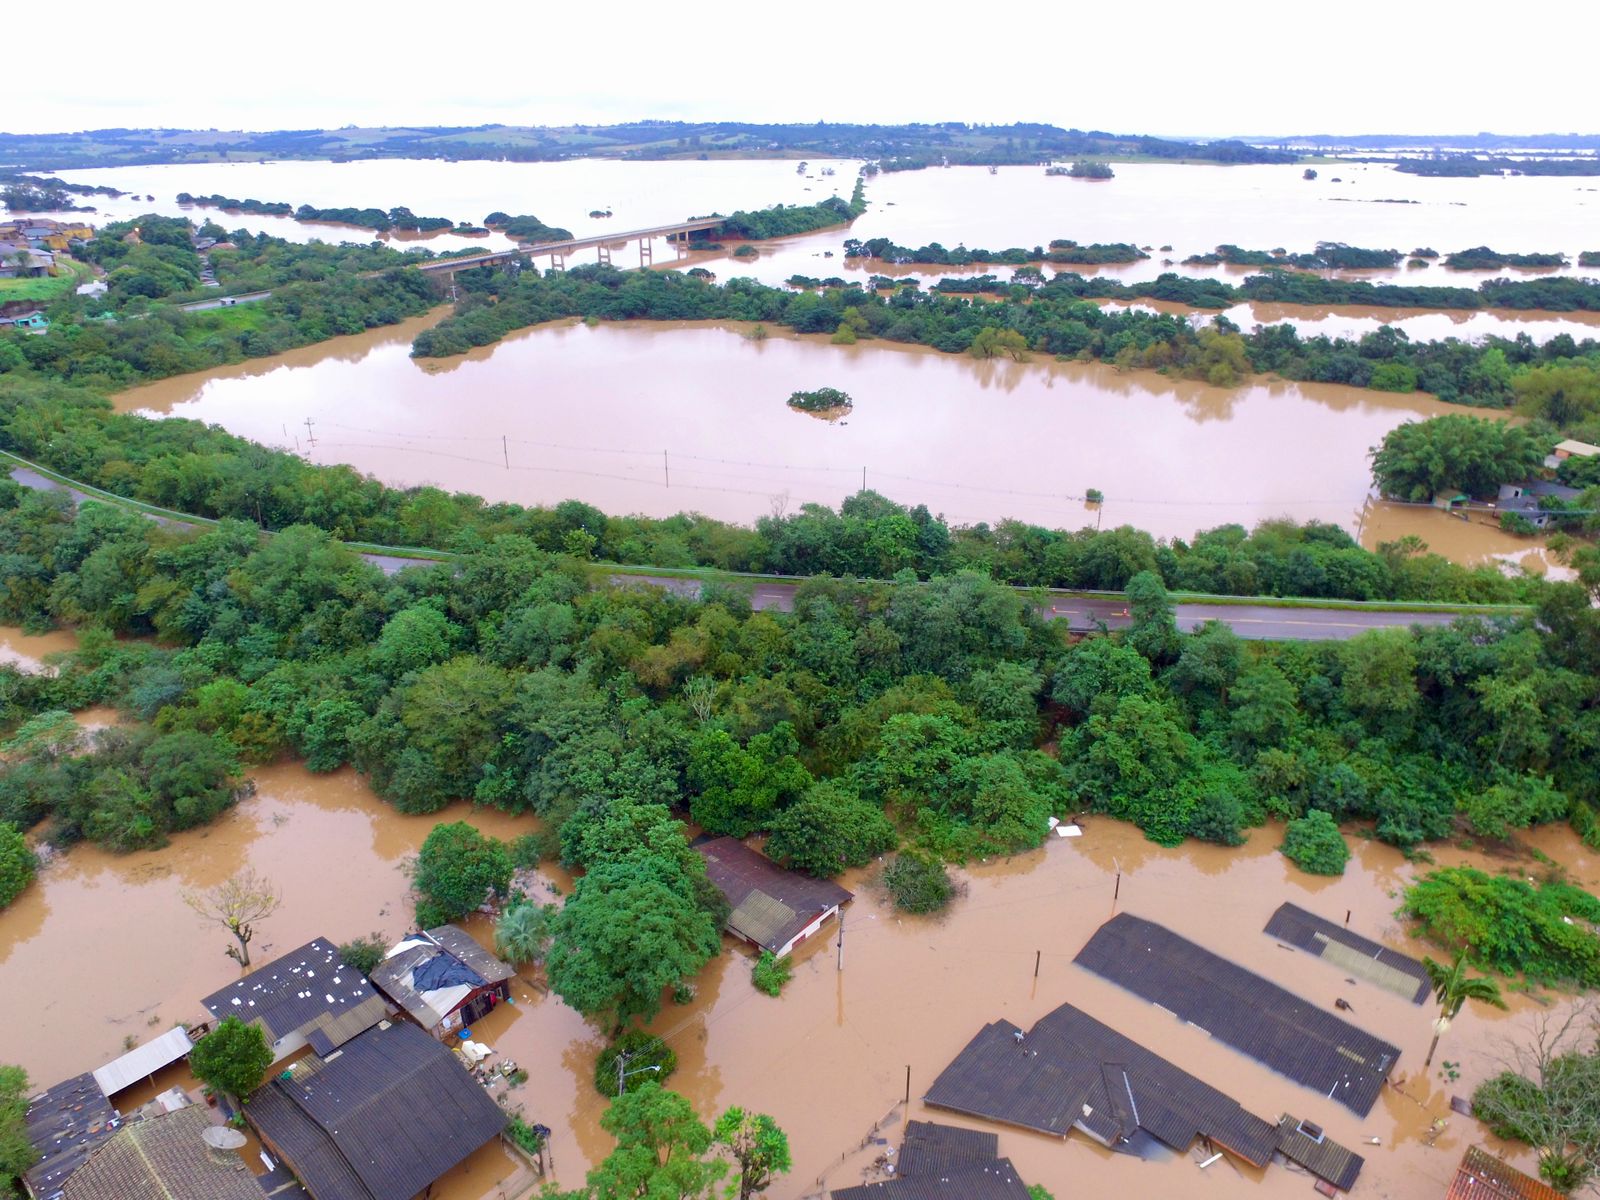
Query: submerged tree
{"points": [[522, 934], [237, 904], [1453, 987], [758, 1147], [16, 1150]]}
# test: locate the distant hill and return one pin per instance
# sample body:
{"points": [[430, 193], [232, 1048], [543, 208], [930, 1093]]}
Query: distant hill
{"points": [[895, 146]]}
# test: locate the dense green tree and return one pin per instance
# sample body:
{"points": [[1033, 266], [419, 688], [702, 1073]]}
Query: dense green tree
{"points": [[522, 934], [16, 1148], [1421, 459], [828, 829], [1314, 844], [233, 1058], [16, 863], [758, 1147], [623, 938], [457, 869]]}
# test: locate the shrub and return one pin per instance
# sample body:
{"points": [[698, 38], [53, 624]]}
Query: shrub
{"points": [[770, 973], [918, 883], [821, 400], [525, 1136], [1314, 844], [16, 863], [364, 954], [640, 1051], [1509, 925]]}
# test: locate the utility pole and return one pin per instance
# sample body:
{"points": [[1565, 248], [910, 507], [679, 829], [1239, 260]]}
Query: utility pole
{"points": [[505, 451], [863, 479], [666, 468], [311, 438], [841, 941]]}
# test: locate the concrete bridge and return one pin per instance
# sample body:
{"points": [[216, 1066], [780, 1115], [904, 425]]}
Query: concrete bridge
{"points": [[557, 251]]}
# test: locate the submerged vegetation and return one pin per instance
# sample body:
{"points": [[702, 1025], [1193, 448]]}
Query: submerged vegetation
{"points": [[821, 400]]}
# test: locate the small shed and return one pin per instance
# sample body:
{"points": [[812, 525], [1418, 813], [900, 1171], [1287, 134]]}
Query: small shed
{"points": [[772, 908], [143, 1061], [442, 979], [309, 997]]}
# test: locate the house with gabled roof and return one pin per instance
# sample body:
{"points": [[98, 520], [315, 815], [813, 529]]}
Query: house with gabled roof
{"points": [[308, 997], [383, 1117], [772, 908]]}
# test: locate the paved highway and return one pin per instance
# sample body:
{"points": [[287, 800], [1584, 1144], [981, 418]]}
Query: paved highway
{"points": [[1262, 622], [1084, 614]]}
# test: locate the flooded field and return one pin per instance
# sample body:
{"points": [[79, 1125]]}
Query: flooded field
{"points": [[588, 412], [108, 950]]}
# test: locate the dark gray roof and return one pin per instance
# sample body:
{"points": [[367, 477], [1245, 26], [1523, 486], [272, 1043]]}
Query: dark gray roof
{"points": [[1238, 1007], [1072, 1070], [770, 904], [382, 1118], [163, 1158], [933, 1149], [1309, 1146], [1399, 973], [996, 1181], [308, 987], [64, 1125]]}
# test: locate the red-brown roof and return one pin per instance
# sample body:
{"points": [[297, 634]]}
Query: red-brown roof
{"points": [[1482, 1176]]}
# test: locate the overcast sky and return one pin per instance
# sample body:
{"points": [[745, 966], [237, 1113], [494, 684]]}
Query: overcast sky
{"points": [[1145, 66]]}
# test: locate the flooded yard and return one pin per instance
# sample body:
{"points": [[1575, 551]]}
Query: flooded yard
{"points": [[103, 948]]}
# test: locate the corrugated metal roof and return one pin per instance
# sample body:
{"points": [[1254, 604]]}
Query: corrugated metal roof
{"points": [[1389, 969], [997, 1181], [1256, 1017], [1320, 1155], [381, 1119], [143, 1061], [395, 975], [303, 989], [1482, 1176], [64, 1124], [1070, 1069], [933, 1149], [770, 905]]}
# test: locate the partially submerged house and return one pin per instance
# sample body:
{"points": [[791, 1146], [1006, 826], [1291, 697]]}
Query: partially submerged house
{"points": [[381, 1118], [1350, 952], [944, 1161], [309, 997], [1482, 1176], [164, 1158], [1570, 448], [443, 980], [1255, 1016], [772, 908]]}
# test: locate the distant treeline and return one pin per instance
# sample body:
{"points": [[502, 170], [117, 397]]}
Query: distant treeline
{"points": [[526, 228], [36, 193], [1467, 165], [1328, 256], [1050, 319], [1481, 258], [788, 220], [1060, 251], [378, 219]]}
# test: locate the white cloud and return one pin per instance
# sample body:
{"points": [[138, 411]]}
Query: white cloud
{"points": [[1253, 66]]}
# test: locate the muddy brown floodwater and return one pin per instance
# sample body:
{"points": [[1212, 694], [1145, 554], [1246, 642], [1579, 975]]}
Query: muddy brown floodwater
{"points": [[659, 418], [101, 947]]}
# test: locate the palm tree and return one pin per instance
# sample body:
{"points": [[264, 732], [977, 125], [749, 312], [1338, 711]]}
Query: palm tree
{"points": [[1454, 988], [522, 933]]}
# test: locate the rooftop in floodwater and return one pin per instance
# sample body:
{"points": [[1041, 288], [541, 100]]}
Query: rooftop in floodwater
{"points": [[64, 1124], [1070, 1071], [311, 991], [1370, 960], [944, 1162], [1482, 1176], [1306, 1144], [1238, 1007]]}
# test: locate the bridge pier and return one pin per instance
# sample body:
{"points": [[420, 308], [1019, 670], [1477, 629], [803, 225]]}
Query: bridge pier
{"points": [[605, 254], [646, 252], [558, 261]]}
